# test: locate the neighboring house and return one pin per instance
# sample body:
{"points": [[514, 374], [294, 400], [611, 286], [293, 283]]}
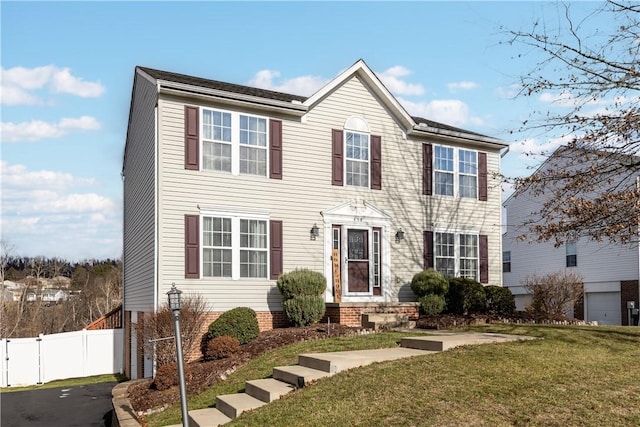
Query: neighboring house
{"points": [[54, 295], [609, 271], [228, 186]]}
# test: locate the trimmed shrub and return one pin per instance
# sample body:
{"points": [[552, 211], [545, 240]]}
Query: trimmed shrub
{"points": [[167, 376], [500, 300], [222, 347], [432, 304], [304, 310], [301, 282], [428, 282], [465, 296], [303, 296], [240, 323]]}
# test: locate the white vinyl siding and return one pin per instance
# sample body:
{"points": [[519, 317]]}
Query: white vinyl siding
{"points": [[139, 225], [305, 191]]}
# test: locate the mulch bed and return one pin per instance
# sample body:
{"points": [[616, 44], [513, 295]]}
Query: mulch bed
{"points": [[202, 374]]}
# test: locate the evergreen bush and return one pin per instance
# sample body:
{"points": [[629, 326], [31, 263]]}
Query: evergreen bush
{"points": [[432, 304], [428, 282], [465, 296], [303, 296], [301, 282], [240, 322], [500, 300]]}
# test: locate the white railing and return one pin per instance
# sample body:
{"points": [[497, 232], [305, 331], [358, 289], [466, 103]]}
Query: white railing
{"points": [[30, 361]]}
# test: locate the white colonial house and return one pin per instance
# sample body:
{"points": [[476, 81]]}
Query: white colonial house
{"points": [[226, 187], [609, 271]]}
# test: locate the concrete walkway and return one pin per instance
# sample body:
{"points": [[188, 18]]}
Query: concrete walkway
{"points": [[312, 367]]}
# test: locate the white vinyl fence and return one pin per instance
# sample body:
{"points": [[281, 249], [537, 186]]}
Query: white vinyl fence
{"points": [[30, 361]]}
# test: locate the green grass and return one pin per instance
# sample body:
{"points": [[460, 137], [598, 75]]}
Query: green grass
{"points": [[574, 376], [71, 382]]}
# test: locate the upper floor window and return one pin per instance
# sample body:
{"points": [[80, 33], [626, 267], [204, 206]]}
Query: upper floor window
{"points": [[234, 142], [571, 254], [357, 159], [506, 262], [450, 175]]}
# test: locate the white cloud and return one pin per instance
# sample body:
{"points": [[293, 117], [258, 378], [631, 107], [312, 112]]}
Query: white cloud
{"points": [[38, 129], [18, 176], [452, 112], [44, 212], [17, 83], [392, 80], [463, 85], [303, 85]]}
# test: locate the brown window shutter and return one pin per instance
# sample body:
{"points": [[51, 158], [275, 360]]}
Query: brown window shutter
{"points": [[427, 252], [191, 138], [427, 169], [337, 162], [275, 237], [376, 162], [275, 149], [482, 177], [191, 247], [484, 259]]}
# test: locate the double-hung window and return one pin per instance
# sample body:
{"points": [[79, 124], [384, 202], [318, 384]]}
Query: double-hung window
{"points": [[357, 159], [234, 247], [468, 170], [571, 254], [506, 262], [457, 254], [444, 172], [445, 254], [455, 178], [234, 142]]}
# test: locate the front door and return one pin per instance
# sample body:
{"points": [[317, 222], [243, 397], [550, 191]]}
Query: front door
{"points": [[357, 260]]}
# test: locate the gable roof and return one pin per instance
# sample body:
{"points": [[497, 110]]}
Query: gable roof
{"points": [[411, 124]]}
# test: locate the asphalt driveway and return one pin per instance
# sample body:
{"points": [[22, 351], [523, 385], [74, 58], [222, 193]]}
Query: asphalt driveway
{"points": [[82, 406]]}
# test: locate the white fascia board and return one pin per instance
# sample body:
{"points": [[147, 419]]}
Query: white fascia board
{"points": [[484, 141], [231, 98], [362, 70]]}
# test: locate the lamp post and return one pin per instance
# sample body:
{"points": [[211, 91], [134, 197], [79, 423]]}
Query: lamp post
{"points": [[175, 305]]}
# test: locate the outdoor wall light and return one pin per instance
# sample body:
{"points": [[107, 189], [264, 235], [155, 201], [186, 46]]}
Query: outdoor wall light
{"points": [[399, 235], [314, 232]]}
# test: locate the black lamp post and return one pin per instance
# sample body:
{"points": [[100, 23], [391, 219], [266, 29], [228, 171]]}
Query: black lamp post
{"points": [[175, 304]]}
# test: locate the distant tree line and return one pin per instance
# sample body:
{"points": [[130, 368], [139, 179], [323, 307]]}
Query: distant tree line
{"points": [[94, 288]]}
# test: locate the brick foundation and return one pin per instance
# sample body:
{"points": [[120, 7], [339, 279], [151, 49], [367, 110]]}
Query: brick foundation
{"points": [[628, 292], [350, 313]]}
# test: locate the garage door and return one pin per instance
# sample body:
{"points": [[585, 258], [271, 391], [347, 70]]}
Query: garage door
{"points": [[604, 307]]}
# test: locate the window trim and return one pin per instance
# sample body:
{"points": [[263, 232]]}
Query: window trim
{"points": [[457, 251], [347, 158], [235, 141], [456, 172], [506, 264], [571, 258], [236, 217]]}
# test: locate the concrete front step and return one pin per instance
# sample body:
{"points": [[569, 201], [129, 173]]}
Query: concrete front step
{"points": [[208, 417], [386, 320], [445, 342], [297, 375], [268, 389], [343, 360], [232, 405]]}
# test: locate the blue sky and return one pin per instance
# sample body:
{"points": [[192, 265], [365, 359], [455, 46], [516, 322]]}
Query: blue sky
{"points": [[67, 70]]}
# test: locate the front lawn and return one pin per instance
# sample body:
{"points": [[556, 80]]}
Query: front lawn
{"points": [[586, 376]]}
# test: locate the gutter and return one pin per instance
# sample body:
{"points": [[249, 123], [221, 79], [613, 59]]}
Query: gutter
{"points": [[180, 89], [449, 134]]}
